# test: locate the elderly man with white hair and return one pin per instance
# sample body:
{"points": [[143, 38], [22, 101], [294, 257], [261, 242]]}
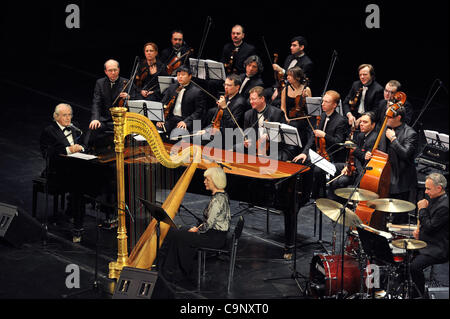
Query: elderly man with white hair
{"points": [[61, 138]]}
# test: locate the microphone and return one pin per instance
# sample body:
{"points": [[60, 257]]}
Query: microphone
{"points": [[75, 128]]}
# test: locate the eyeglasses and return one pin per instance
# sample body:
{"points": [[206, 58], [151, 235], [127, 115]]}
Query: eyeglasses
{"points": [[387, 91]]}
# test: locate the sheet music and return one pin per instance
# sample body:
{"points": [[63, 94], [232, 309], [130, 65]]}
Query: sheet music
{"points": [[314, 106], [86, 157], [216, 70], [165, 82], [155, 110], [444, 140], [289, 133], [322, 163]]}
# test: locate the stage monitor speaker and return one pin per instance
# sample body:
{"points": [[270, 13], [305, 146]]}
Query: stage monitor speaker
{"points": [[438, 293], [135, 283], [17, 227]]}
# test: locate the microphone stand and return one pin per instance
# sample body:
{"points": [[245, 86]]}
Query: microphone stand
{"points": [[343, 213], [203, 41]]}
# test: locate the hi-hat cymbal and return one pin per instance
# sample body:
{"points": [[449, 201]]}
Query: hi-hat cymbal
{"points": [[391, 205], [410, 244], [332, 210], [358, 195]]}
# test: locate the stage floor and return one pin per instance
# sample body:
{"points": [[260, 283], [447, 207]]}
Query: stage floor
{"points": [[39, 270]]}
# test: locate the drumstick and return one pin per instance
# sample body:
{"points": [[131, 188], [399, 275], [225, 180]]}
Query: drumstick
{"points": [[335, 178]]}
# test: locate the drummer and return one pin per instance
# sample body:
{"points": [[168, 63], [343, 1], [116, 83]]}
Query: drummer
{"points": [[364, 141], [432, 228]]}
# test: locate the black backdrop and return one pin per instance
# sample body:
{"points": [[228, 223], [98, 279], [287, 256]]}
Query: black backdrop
{"points": [[411, 44]]}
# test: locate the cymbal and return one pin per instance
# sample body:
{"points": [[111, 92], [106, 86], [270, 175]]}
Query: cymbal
{"points": [[391, 205], [411, 244], [359, 194], [332, 210]]}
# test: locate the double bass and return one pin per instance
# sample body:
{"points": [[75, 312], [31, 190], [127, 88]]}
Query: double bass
{"points": [[378, 178]]}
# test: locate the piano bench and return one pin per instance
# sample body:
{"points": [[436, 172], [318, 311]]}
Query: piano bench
{"points": [[39, 186]]}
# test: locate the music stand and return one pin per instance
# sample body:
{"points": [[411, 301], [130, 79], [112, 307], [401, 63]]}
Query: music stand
{"points": [[375, 246], [154, 111], [280, 132], [158, 213], [165, 82], [314, 106], [207, 69]]}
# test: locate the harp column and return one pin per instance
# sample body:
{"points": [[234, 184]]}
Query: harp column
{"points": [[115, 268]]}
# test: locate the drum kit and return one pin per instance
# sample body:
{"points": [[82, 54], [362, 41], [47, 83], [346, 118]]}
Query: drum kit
{"points": [[374, 263]]}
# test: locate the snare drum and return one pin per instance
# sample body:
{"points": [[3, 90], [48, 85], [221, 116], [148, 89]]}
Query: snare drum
{"points": [[326, 275]]}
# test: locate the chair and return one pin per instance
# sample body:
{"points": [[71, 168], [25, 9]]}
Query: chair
{"points": [[39, 186], [230, 249]]}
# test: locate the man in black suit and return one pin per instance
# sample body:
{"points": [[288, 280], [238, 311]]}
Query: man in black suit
{"points": [[297, 57], [232, 106], [390, 89], [401, 143], [364, 140], [61, 138], [333, 128], [257, 141], [432, 228], [364, 95], [107, 93], [186, 104], [178, 50], [236, 52], [251, 77]]}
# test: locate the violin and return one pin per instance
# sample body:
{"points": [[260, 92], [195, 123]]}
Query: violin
{"points": [[351, 168], [299, 110], [229, 67], [353, 102], [279, 76], [175, 63], [321, 144], [218, 118], [168, 108]]}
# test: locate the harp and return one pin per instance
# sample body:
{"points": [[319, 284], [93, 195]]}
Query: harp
{"points": [[144, 252]]}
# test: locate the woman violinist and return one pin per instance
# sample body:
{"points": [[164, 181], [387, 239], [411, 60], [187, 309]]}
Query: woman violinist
{"points": [[146, 81]]}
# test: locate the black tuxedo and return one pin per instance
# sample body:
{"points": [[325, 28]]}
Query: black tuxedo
{"points": [[237, 106], [245, 50], [104, 97], [255, 80], [336, 132], [364, 144], [53, 141], [148, 81], [381, 109], [167, 54], [193, 105], [372, 99], [304, 62]]}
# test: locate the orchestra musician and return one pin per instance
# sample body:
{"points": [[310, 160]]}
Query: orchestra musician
{"points": [[146, 82], [293, 103], [180, 246], [364, 95], [332, 129], [364, 140], [252, 76], [60, 138], [178, 50], [401, 143], [237, 51], [108, 92], [297, 57], [432, 228], [229, 113], [254, 119], [390, 89], [186, 104]]}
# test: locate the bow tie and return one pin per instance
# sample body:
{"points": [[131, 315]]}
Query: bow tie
{"points": [[66, 129]]}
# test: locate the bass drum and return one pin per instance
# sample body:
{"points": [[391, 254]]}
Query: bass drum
{"points": [[326, 275]]}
